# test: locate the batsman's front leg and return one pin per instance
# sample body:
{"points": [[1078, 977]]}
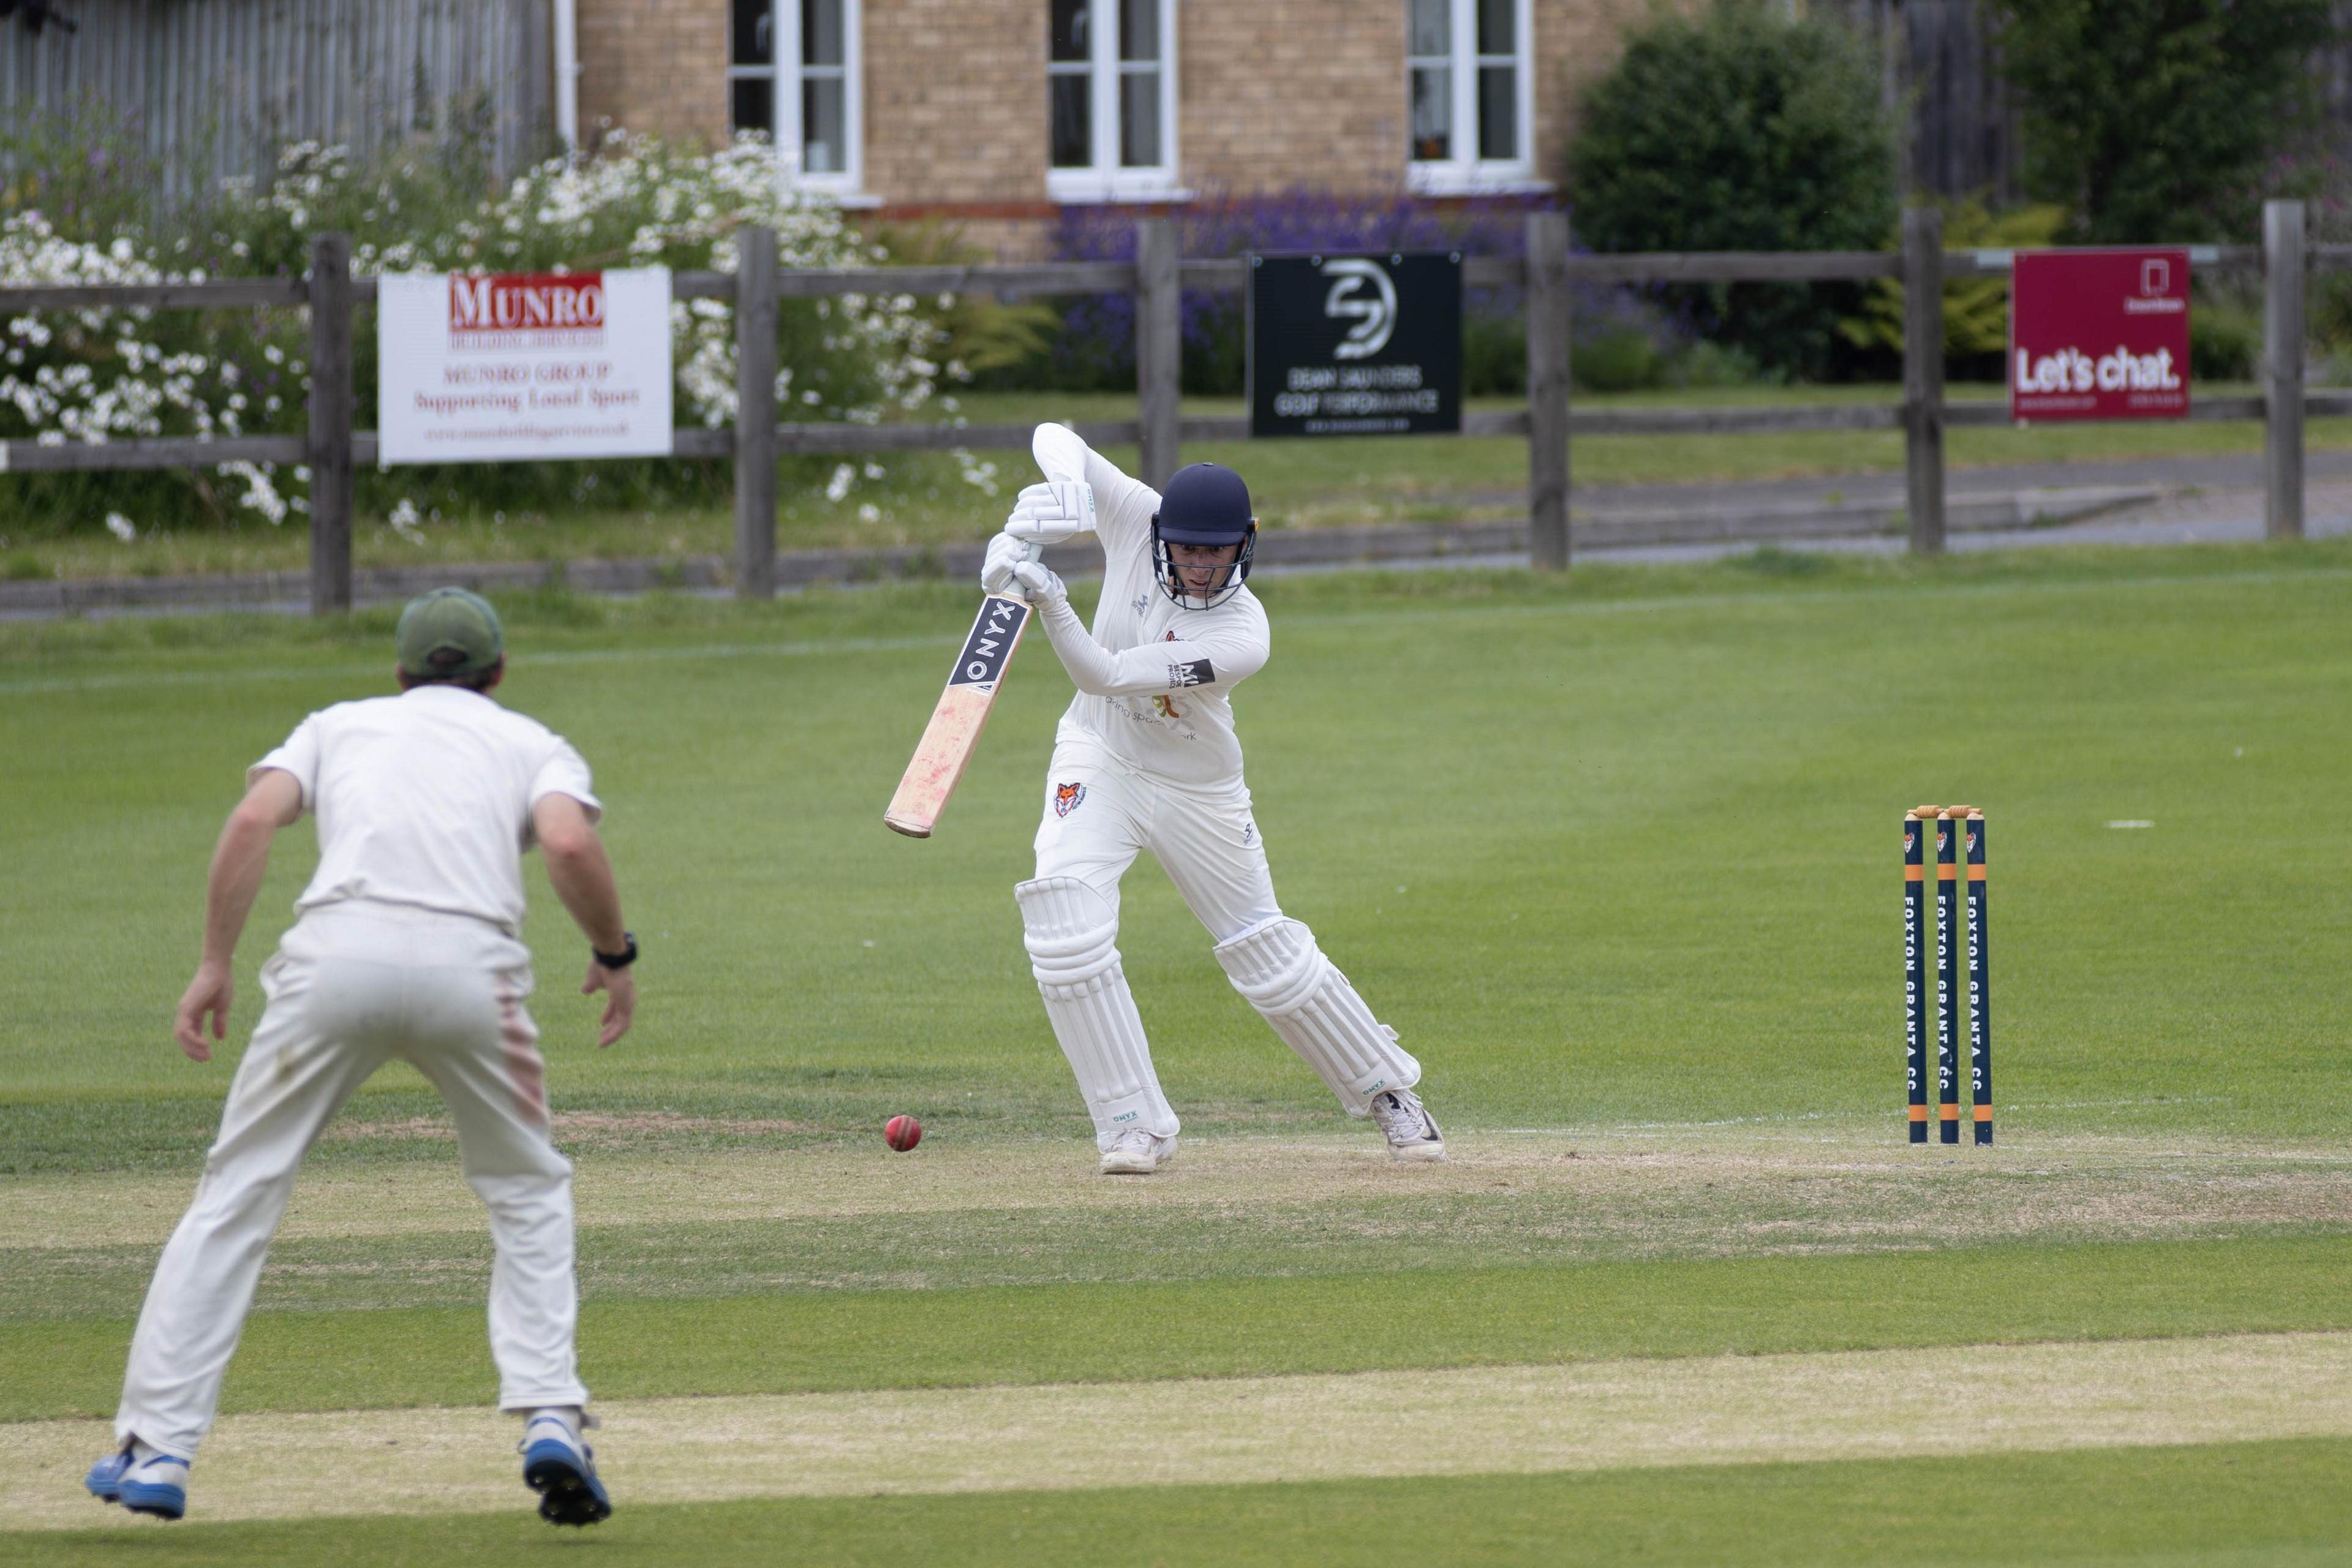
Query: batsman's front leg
{"points": [[1307, 1002], [1279, 970]]}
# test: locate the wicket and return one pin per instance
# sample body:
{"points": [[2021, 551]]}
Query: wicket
{"points": [[1951, 822]]}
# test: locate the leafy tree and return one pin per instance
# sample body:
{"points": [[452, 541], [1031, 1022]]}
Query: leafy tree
{"points": [[2151, 119], [1741, 130]]}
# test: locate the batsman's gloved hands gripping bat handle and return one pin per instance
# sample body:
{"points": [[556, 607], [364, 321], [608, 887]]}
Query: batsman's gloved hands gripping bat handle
{"points": [[1005, 552], [1037, 583]]}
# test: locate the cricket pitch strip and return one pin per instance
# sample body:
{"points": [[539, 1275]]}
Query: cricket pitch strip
{"points": [[1672, 1189], [1593, 1415]]}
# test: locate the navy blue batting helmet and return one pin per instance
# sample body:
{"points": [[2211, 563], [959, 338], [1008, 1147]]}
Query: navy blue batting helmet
{"points": [[1205, 504]]}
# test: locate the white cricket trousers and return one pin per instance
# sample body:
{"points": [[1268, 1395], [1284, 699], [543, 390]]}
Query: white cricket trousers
{"points": [[1100, 815], [353, 985]]}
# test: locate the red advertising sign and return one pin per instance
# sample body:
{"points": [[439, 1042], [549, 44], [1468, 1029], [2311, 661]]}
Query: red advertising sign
{"points": [[2098, 334]]}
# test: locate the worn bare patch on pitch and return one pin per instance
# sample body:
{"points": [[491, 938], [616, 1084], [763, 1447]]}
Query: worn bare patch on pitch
{"points": [[1670, 1190], [1483, 1420]]}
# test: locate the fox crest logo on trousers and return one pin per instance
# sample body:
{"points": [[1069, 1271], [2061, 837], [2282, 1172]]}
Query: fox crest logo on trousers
{"points": [[1067, 798]]}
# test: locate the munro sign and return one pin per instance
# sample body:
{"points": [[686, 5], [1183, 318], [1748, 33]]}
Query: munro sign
{"points": [[503, 367]]}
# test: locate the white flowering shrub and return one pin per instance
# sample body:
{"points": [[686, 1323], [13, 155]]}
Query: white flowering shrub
{"points": [[97, 375], [101, 376]]}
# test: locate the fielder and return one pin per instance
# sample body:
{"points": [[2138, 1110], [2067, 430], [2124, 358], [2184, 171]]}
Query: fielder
{"points": [[406, 946], [1146, 758]]}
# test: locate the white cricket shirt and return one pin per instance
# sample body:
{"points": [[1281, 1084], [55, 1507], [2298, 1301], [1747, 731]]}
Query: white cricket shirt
{"points": [[1163, 701], [424, 799]]}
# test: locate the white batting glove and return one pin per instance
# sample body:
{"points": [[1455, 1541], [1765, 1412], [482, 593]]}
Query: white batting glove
{"points": [[1035, 582], [1005, 552], [1053, 511]]}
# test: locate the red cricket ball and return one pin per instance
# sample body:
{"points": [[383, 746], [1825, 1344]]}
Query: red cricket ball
{"points": [[902, 1132]]}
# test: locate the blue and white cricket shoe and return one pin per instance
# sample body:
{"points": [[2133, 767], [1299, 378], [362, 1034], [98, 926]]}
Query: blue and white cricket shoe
{"points": [[156, 1484], [562, 1469], [104, 1481]]}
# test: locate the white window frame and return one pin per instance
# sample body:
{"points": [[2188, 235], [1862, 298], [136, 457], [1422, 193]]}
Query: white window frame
{"points": [[846, 183], [1105, 179], [1466, 173]]}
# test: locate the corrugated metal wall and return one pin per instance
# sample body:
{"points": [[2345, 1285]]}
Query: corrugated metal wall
{"points": [[239, 78]]}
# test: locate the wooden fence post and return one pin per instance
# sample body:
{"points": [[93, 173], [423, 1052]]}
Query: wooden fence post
{"points": [[1547, 390], [2282, 307], [331, 423], [1158, 344], [1923, 377], [755, 412]]}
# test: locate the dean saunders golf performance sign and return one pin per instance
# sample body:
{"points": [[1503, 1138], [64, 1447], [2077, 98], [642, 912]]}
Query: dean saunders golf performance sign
{"points": [[1355, 345]]}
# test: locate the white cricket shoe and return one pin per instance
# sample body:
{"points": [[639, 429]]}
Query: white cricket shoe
{"points": [[1411, 1130], [1137, 1151]]}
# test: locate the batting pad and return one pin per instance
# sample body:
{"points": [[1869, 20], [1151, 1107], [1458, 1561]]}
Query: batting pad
{"points": [[1070, 929], [1277, 965]]}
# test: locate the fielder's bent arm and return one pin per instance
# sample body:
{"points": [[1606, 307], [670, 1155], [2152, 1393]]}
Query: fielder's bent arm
{"points": [[582, 874], [239, 860]]}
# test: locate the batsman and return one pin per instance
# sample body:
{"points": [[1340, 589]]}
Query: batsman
{"points": [[1146, 758]]}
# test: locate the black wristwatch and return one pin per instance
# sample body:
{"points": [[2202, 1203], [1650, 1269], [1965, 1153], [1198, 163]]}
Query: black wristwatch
{"points": [[621, 960]]}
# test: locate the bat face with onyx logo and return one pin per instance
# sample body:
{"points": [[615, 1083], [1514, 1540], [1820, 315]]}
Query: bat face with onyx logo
{"points": [[954, 729]]}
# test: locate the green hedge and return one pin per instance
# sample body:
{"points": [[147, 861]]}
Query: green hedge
{"points": [[1739, 129]]}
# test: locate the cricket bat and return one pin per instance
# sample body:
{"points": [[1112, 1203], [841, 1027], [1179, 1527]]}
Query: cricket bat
{"points": [[954, 731]]}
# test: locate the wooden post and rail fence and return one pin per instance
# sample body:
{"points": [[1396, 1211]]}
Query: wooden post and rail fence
{"points": [[1158, 279]]}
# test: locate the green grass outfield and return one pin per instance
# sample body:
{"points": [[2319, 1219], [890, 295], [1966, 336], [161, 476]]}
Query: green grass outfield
{"points": [[1617, 854], [1095, 1332]]}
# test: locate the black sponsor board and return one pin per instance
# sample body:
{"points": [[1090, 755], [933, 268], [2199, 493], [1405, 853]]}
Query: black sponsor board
{"points": [[1355, 345]]}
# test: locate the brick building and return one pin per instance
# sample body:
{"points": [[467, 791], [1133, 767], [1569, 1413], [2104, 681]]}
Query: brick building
{"points": [[996, 114]]}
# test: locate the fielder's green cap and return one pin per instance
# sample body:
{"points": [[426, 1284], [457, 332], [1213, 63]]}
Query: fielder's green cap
{"points": [[449, 632]]}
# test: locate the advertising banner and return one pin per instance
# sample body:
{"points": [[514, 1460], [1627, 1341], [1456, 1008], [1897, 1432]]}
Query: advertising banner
{"points": [[519, 366], [2098, 334], [1355, 345]]}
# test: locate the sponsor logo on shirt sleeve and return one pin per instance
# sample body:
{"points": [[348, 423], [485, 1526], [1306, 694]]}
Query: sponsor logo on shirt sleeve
{"points": [[1192, 672]]}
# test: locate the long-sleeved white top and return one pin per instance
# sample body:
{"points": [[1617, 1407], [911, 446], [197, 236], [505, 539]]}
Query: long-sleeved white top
{"points": [[1155, 678]]}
